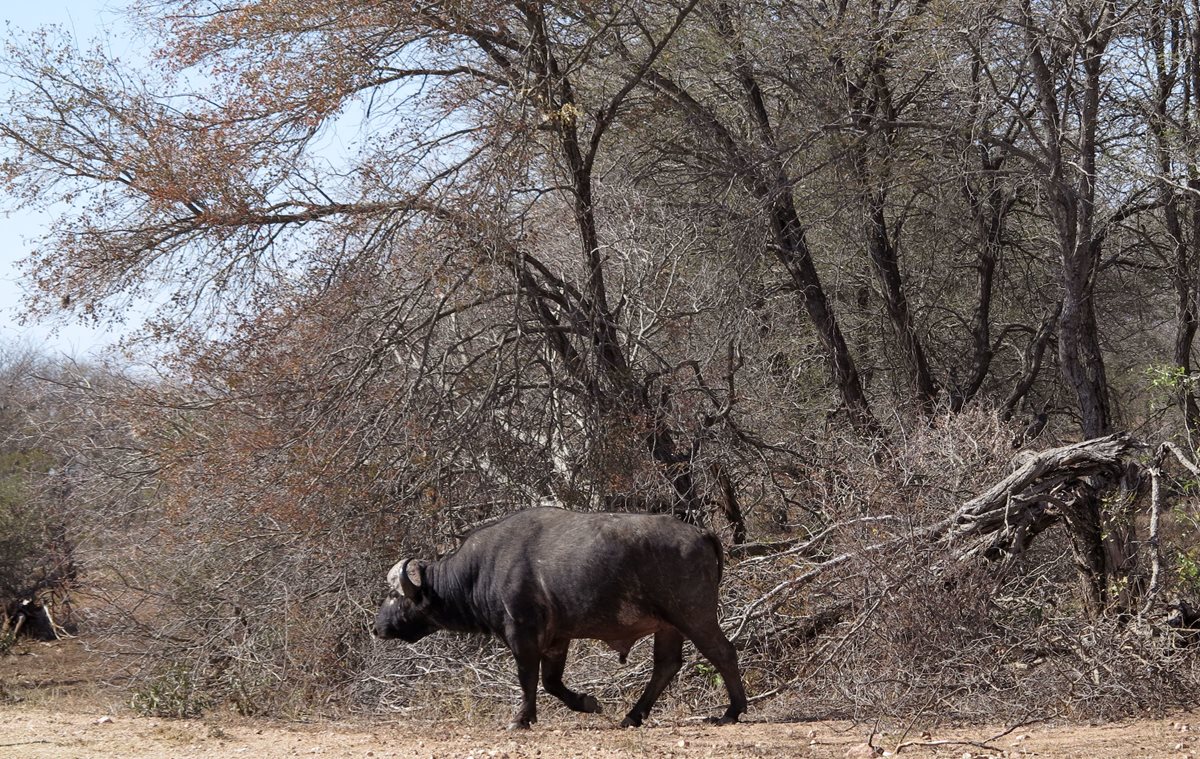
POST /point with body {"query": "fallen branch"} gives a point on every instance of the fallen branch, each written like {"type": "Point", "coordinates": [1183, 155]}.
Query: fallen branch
{"type": "Point", "coordinates": [1181, 457]}
{"type": "Point", "coordinates": [1002, 519]}
{"type": "Point", "coordinates": [985, 744]}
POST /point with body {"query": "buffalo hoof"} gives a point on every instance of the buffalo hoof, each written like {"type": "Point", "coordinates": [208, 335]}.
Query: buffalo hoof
{"type": "Point", "coordinates": [725, 719]}
{"type": "Point", "coordinates": [589, 705]}
{"type": "Point", "coordinates": [631, 721]}
{"type": "Point", "coordinates": [518, 725]}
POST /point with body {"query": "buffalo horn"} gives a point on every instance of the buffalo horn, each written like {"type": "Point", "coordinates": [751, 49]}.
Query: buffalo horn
{"type": "Point", "coordinates": [395, 573]}
{"type": "Point", "coordinates": [405, 577]}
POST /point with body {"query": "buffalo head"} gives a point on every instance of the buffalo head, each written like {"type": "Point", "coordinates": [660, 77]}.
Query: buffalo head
{"type": "Point", "coordinates": [404, 613]}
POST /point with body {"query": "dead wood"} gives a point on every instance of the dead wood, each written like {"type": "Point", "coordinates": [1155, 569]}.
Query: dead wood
{"type": "Point", "coordinates": [1043, 488]}
{"type": "Point", "coordinates": [1005, 517]}
{"type": "Point", "coordinates": [999, 523]}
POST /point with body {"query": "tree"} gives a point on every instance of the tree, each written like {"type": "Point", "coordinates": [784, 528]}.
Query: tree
{"type": "Point", "coordinates": [804, 265]}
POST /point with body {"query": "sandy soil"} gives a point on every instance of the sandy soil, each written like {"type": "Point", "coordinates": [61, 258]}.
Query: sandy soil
{"type": "Point", "coordinates": [63, 714]}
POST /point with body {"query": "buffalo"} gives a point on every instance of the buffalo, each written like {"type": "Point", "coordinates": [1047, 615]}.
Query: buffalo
{"type": "Point", "coordinates": [539, 579]}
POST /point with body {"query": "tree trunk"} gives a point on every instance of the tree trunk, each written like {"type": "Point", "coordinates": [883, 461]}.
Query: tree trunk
{"type": "Point", "coordinates": [1080, 356]}
{"type": "Point", "coordinates": [886, 260]}
{"type": "Point", "coordinates": [776, 190]}
{"type": "Point", "coordinates": [1070, 176]}
{"type": "Point", "coordinates": [793, 252]}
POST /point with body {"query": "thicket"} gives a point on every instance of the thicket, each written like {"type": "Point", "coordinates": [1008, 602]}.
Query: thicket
{"type": "Point", "coordinates": [847, 283]}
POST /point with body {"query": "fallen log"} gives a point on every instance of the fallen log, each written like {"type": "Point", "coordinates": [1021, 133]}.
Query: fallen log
{"type": "Point", "coordinates": [998, 523]}
{"type": "Point", "coordinates": [1035, 494]}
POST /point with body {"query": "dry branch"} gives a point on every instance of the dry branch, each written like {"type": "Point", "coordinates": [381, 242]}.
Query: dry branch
{"type": "Point", "coordinates": [1008, 514]}
{"type": "Point", "coordinates": [999, 522]}
{"type": "Point", "coordinates": [1006, 511]}
{"type": "Point", "coordinates": [1153, 538]}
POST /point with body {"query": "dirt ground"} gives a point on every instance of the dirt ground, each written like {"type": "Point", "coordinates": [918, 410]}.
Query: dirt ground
{"type": "Point", "coordinates": [50, 707]}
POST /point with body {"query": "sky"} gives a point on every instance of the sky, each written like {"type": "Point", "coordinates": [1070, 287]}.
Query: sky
{"type": "Point", "coordinates": [85, 19]}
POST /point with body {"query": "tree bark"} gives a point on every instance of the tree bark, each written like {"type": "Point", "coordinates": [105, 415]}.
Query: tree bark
{"type": "Point", "coordinates": [776, 189]}
{"type": "Point", "coordinates": [1070, 182]}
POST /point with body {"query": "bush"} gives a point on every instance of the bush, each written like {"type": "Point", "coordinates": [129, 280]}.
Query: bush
{"type": "Point", "coordinates": [171, 693]}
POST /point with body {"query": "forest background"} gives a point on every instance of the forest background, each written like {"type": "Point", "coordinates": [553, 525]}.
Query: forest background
{"type": "Point", "coordinates": [847, 282]}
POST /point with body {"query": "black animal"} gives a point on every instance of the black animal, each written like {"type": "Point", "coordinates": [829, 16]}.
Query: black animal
{"type": "Point", "coordinates": [1185, 622]}
{"type": "Point", "coordinates": [541, 578]}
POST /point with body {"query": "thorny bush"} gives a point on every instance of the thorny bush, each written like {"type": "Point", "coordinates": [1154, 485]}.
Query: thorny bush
{"type": "Point", "coordinates": [845, 611]}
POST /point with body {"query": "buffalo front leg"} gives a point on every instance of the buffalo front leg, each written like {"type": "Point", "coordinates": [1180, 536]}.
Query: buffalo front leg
{"type": "Point", "coordinates": [668, 658]}
{"type": "Point", "coordinates": [554, 661]}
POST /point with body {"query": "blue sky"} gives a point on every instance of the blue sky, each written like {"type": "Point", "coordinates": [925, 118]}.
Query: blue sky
{"type": "Point", "coordinates": [85, 20]}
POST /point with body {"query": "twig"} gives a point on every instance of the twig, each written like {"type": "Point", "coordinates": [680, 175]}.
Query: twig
{"type": "Point", "coordinates": [911, 722]}
{"type": "Point", "coordinates": [871, 737]}
{"type": "Point", "coordinates": [986, 744]}
{"type": "Point", "coordinates": [976, 744]}
{"type": "Point", "coordinates": [795, 547]}
{"type": "Point", "coordinates": [1152, 539]}
{"type": "Point", "coordinates": [55, 627]}
{"type": "Point", "coordinates": [1181, 457]}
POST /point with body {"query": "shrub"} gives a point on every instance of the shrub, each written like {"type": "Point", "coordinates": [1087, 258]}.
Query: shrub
{"type": "Point", "coordinates": [172, 693]}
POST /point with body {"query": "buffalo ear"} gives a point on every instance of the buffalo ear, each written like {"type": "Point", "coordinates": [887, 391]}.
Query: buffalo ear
{"type": "Point", "coordinates": [407, 577]}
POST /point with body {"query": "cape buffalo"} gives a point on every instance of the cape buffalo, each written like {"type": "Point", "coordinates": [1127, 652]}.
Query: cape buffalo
{"type": "Point", "coordinates": [541, 578]}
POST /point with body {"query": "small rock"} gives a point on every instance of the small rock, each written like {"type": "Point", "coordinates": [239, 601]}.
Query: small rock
{"type": "Point", "coordinates": [682, 744]}
{"type": "Point", "coordinates": [968, 755]}
{"type": "Point", "coordinates": [104, 720]}
{"type": "Point", "coordinates": [812, 733]}
{"type": "Point", "coordinates": [926, 735]}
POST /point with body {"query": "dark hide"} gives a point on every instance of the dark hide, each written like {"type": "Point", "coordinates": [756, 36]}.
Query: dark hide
{"type": "Point", "coordinates": [1185, 622]}
{"type": "Point", "coordinates": [541, 578]}
{"type": "Point", "coordinates": [30, 618]}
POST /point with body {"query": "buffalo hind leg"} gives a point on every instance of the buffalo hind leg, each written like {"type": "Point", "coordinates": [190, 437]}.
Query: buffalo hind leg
{"type": "Point", "coordinates": [711, 642]}
{"type": "Point", "coordinates": [528, 660]}
{"type": "Point", "coordinates": [668, 658]}
{"type": "Point", "coordinates": [554, 661]}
